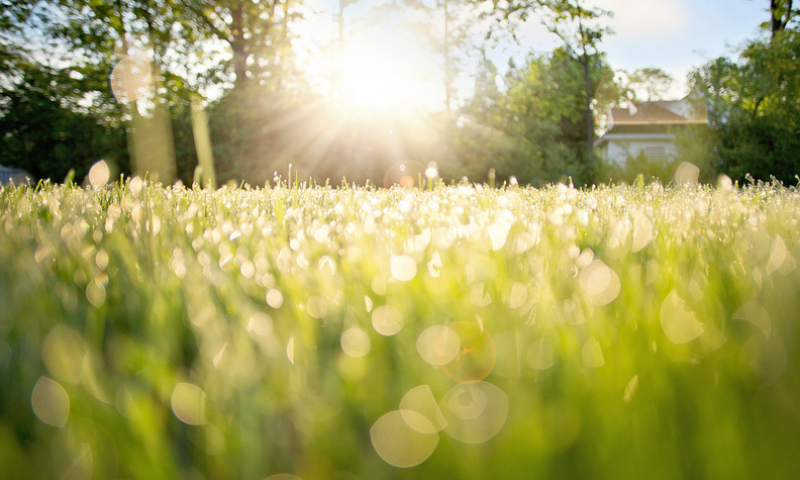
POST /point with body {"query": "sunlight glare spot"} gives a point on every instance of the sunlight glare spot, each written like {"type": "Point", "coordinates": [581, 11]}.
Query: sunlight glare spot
{"type": "Point", "coordinates": [475, 412]}
{"type": "Point", "coordinates": [724, 182]}
{"type": "Point", "coordinates": [355, 342]}
{"type": "Point", "coordinates": [592, 354]}
{"type": "Point", "coordinates": [777, 256]}
{"type": "Point", "coordinates": [679, 325]}
{"type": "Point", "coordinates": [99, 174]}
{"type": "Point", "coordinates": [403, 268]}
{"type": "Point", "coordinates": [752, 312]}
{"type": "Point", "coordinates": [541, 354]}
{"type": "Point", "coordinates": [431, 172]}
{"type": "Point", "coordinates": [518, 296]}
{"type": "Point", "coordinates": [62, 352]}
{"type": "Point", "coordinates": [274, 298]}
{"type": "Point", "coordinates": [50, 402]}
{"type": "Point", "coordinates": [687, 174]}
{"type": "Point", "coordinates": [260, 325]}
{"type": "Point", "coordinates": [420, 400]}
{"type": "Point", "coordinates": [479, 296]}
{"type": "Point", "coordinates": [387, 320]}
{"type": "Point", "coordinates": [368, 304]}
{"type": "Point", "coordinates": [631, 388]}
{"type": "Point", "coordinates": [218, 357]}
{"type": "Point", "coordinates": [188, 403]}
{"type": "Point", "coordinates": [290, 350]}
{"type": "Point", "coordinates": [435, 265]}
{"type": "Point", "coordinates": [91, 377]}
{"type": "Point", "coordinates": [600, 283]}
{"type": "Point", "coordinates": [131, 78]}
{"type": "Point", "coordinates": [438, 345]}
{"type": "Point", "coordinates": [642, 232]}
{"type": "Point", "coordinates": [398, 444]}
{"type": "Point", "coordinates": [317, 307]}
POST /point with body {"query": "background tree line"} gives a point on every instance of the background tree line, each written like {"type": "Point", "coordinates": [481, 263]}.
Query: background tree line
{"type": "Point", "coordinates": [235, 59]}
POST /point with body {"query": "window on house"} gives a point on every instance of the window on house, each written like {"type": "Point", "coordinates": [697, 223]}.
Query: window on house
{"type": "Point", "coordinates": [655, 151]}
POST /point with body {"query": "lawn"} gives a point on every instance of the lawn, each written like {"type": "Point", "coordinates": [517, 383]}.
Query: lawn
{"type": "Point", "coordinates": [464, 332]}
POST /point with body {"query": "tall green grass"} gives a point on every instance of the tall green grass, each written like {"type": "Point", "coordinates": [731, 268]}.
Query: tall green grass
{"type": "Point", "coordinates": [456, 332]}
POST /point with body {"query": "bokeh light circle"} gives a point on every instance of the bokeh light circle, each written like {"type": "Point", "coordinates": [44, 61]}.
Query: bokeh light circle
{"type": "Point", "coordinates": [400, 445]}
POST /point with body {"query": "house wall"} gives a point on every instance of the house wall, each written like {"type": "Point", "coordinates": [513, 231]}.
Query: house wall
{"type": "Point", "coordinates": [619, 148]}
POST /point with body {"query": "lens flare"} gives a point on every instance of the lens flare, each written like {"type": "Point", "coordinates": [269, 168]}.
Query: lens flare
{"type": "Point", "coordinates": [188, 404]}
{"type": "Point", "coordinates": [419, 400]}
{"type": "Point", "coordinates": [475, 412]}
{"type": "Point", "coordinates": [400, 445]}
{"type": "Point", "coordinates": [50, 402]}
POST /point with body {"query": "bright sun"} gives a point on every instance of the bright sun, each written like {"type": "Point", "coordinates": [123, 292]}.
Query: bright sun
{"type": "Point", "coordinates": [382, 73]}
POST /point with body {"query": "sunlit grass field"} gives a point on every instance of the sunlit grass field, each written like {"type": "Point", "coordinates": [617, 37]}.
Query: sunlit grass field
{"type": "Point", "coordinates": [451, 332]}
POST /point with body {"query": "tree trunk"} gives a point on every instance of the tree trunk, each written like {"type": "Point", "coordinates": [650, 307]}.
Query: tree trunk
{"type": "Point", "coordinates": [447, 74]}
{"type": "Point", "coordinates": [781, 11]}
{"type": "Point", "coordinates": [239, 47]}
{"type": "Point", "coordinates": [587, 85]}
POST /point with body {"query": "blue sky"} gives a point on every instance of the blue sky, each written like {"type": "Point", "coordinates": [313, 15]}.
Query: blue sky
{"type": "Point", "coordinates": [674, 35]}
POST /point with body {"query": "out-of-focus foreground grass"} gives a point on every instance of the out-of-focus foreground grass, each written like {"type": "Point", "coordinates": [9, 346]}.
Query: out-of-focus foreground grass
{"type": "Point", "coordinates": [456, 332]}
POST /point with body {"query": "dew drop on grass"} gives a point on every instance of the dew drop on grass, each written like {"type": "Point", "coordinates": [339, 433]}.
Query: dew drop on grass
{"type": "Point", "coordinates": [62, 352]}
{"type": "Point", "coordinates": [378, 285]}
{"type": "Point", "coordinates": [438, 345]}
{"type": "Point", "coordinates": [420, 400]}
{"type": "Point", "coordinates": [475, 412]}
{"type": "Point", "coordinates": [642, 232]}
{"type": "Point", "coordinates": [518, 296]}
{"type": "Point", "coordinates": [592, 354]}
{"type": "Point", "coordinates": [317, 307]}
{"type": "Point", "coordinates": [777, 255]}
{"type": "Point", "coordinates": [752, 312]}
{"type": "Point", "coordinates": [400, 445]}
{"type": "Point", "coordinates": [274, 298]}
{"type": "Point", "coordinates": [435, 265]}
{"type": "Point", "coordinates": [403, 268]}
{"type": "Point", "coordinates": [687, 174]}
{"type": "Point", "coordinates": [541, 354]}
{"type": "Point", "coordinates": [99, 174]}
{"type": "Point", "coordinates": [355, 342]}
{"type": "Point", "coordinates": [600, 283]}
{"type": "Point", "coordinates": [188, 404]}
{"type": "Point", "coordinates": [498, 234]}
{"type": "Point", "coordinates": [679, 324]}
{"type": "Point", "coordinates": [387, 320]}
{"type": "Point", "coordinates": [631, 388]}
{"type": "Point", "coordinates": [260, 325]}
{"type": "Point", "coordinates": [290, 350]}
{"type": "Point", "coordinates": [50, 402]}
{"type": "Point", "coordinates": [479, 296]}
{"type": "Point", "coordinates": [96, 294]}
{"type": "Point", "coordinates": [368, 303]}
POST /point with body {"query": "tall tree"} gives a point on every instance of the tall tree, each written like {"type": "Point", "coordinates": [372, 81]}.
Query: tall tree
{"type": "Point", "coordinates": [581, 31]}
{"type": "Point", "coordinates": [781, 13]}
{"type": "Point", "coordinates": [653, 82]}
{"type": "Point", "coordinates": [257, 33]}
{"type": "Point", "coordinates": [754, 107]}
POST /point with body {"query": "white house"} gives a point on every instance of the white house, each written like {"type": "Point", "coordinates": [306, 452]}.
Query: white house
{"type": "Point", "coordinates": [7, 174]}
{"type": "Point", "coordinates": [648, 128]}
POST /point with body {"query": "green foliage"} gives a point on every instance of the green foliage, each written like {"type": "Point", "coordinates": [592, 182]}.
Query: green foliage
{"type": "Point", "coordinates": [614, 332]}
{"type": "Point", "coordinates": [535, 129]}
{"type": "Point", "coordinates": [754, 106]}
{"type": "Point", "coordinates": [42, 133]}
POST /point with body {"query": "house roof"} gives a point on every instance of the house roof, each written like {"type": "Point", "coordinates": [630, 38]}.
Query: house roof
{"type": "Point", "coordinates": [650, 117]}
{"type": "Point", "coordinates": [647, 113]}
